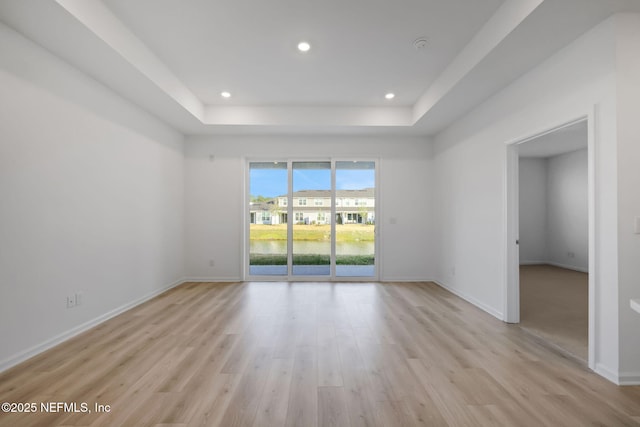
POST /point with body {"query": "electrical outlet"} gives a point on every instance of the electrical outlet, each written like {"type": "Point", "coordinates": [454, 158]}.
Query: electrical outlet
{"type": "Point", "coordinates": [71, 301]}
{"type": "Point", "coordinates": [79, 296]}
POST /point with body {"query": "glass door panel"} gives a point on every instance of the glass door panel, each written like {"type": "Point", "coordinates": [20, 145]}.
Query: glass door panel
{"type": "Point", "coordinates": [355, 218]}
{"type": "Point", "coordinates": [268, 190]}
{"type": "Point", "coordinates": [311, 221]}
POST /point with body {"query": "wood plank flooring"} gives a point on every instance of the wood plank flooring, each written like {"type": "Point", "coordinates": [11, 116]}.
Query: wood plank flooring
{"type": "Point", "coordinates": [554, 305]}
{"type": "Point", "coordinates": [312, 354]}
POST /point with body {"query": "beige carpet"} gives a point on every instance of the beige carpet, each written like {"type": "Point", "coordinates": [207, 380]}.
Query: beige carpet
{"type": "Point", "coordinates": [554, 305]}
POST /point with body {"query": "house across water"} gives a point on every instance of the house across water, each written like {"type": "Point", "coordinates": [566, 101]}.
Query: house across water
{"type": "Point", "coordinates": [314, 207]}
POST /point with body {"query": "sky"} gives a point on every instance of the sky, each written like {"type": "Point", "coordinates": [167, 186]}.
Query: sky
{"type": "Point", "coordinates": [273, 182]}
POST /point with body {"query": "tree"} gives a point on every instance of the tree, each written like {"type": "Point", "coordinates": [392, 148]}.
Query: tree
{"type": "Point", "coordinates": [274, 210]}
{"type": "Point", "coordinates": [364, 213]}
{"type": "Point", "coordinates": [258, 199]}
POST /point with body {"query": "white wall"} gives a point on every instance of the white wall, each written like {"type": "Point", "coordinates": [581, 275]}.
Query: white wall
{"type": "Point", "coordinates": [533, 210]}
{"type": "Point", "coordinates": [567, 211]}
{"type": "Point", "coordinates": [470, 163]}
{"type": "Point", "coordinates": [628, 96]}
{"type": "Point", "coordinates": [91, 201]}
{"type": "Point", "coordinates": [214, 198]}
{"type": "Point", "coordinates": [554, 220]}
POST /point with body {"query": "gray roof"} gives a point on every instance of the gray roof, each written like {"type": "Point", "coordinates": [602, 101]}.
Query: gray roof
{"type": "Point", "coordinates": [261, 206]}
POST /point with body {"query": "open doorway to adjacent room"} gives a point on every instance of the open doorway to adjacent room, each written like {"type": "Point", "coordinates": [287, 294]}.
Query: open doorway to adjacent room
{"type": "Point", "coordinates": [551, 223]}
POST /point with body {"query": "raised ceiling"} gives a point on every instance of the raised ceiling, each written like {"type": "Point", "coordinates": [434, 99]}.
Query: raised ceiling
{"type": "Point", "coordinates": [174, 58]}
{"type": "Point", "coordinates": [361, 49]}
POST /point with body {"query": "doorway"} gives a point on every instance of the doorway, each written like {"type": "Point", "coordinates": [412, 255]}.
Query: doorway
{"type": "Point", "coordinates": [550, 237]}
{"type": "Point", "coordinates": [311, 220]}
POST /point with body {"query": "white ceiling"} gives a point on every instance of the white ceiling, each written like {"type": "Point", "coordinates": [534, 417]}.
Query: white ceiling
{"type": "Point", "coordinates": [361, 49]}
{"type": "Point", "coordinates": [564, 140]}
{"type": "Point", "coordinates": [173, 58]}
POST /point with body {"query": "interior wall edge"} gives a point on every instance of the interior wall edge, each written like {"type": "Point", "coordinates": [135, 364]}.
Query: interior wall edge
{"type": "Point", "coordinates": [471, 300]}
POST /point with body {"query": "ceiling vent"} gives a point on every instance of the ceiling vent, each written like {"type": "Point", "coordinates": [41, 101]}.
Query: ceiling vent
{"type": "Point", "coordinates": [420, 43]}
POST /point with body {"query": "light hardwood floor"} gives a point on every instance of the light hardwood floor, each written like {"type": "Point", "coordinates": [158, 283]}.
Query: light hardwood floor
{"type": "Point", "coordinates": [308, 354]}
{"type": "Point", "coordinates": [554, 305]}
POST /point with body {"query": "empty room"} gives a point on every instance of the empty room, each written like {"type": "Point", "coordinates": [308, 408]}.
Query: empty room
{"type": "Point", "coordinates": [554, 238]}
{"type": "Point", "coordinates": [225, 213]}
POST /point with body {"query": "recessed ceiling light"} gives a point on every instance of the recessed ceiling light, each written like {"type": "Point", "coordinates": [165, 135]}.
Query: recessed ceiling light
{"type": "Point", "coordinates": [225, 94]}
{"type": "Point", "coordinates": [304, 46]}
{"type": "Point", "coordinates": [390, 95]}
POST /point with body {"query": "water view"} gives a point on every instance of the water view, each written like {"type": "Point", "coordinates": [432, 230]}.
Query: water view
{"type": "Point", "coordinates": [305, 207]}
{"type": "Point", "coordinates": [305, 247]}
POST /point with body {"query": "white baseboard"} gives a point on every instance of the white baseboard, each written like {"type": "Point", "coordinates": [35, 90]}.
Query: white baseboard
{"type": "Point", "coordinates": [568, 267]}
{"type": "Point", "coordinates": [555, 264]}
{"type": "Point", "coordinates": [212, 279]}
{"type": "Point", "coordinates": [238, 279]}
{"type": "Point", "coordinates": [492, 311]}
{"type": "Point", "coordinates": [405, 279]}
{"type": "Point", "coordinates": [533, 262]}
{"type": "Point", "coordinates": [607, 373]}
{"type": "Point", "coordinates": [58, 339]}
{"type": "Point", "coordinates": [629, 378]}
{"type": "Point", "coordinates": [623, 378]}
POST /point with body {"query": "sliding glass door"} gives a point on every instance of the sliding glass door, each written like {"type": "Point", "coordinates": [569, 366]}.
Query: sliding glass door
{"type": "Point", "coordinates": [355, 218]}
{"type": "Point", "coordinates": [311, 219]}
{"type": "Point", "coordinates": [268, 225]}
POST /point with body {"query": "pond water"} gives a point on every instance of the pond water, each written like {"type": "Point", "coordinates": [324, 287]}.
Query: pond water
{"type": "Point", "coordinates": [311, 247]}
